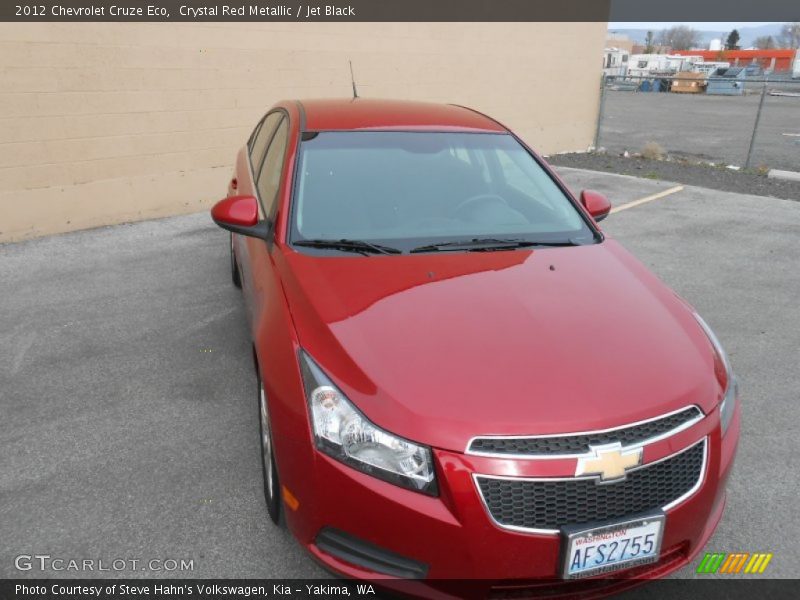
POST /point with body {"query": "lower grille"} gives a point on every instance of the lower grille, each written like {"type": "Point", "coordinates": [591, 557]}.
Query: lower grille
{"type": "Point", "coordinates": [365, 554]}
{"type": "Point", "coordinates": [548, 504]}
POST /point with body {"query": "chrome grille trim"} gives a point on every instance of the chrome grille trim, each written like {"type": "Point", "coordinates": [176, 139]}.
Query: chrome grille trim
{"type": "Point", "coordinates": [698, 416]}
{"type": "Point", "coordinates": [670, 505]}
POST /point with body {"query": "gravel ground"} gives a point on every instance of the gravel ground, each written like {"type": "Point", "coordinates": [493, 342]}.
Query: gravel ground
{"type": "Point", "coordinates": [706, 128]}
{"type": "Point", "coordinates": [717, 178]}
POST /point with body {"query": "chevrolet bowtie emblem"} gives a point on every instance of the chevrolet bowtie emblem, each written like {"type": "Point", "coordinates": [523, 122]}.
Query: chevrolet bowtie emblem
{"type": "Point", "coordinates": [609, 461]}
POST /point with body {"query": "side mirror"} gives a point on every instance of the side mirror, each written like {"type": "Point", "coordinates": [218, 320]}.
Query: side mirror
{"type": "Point", "coordinates": [598, 205]}
{"type": "Point", "coordinates": [239, 214]}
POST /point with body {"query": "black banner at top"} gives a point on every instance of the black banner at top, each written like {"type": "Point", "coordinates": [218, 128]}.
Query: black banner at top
{"type": "Point", "coordinates": [399, 10]}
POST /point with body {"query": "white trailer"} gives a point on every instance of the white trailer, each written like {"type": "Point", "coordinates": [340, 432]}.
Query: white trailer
{"type": "Point", "coordinates": [680, 62]}
{"type": "Point", "coordinates": [642, 65]}
{"type": "Point", "coordinates": [615, 62]}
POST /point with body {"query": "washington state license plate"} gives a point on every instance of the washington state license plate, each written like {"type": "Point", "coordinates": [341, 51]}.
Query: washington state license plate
{"type": "Point", "coordinates": [607, 548]}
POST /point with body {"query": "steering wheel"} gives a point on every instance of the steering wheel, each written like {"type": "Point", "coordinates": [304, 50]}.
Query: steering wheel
{"type": "Point", "coordinates": [480, 198]}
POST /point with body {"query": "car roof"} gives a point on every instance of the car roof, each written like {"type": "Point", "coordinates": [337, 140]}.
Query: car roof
{"type": "Point", "coordinates": [403, 115]}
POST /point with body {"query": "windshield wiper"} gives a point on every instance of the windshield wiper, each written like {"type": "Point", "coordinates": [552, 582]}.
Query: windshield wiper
{"type": "Point", "coordinates": [346, 245]}
{"type": "Point", "coordinates": [484, 244]}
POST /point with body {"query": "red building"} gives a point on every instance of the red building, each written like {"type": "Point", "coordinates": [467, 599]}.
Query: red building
{"type": "Point", "coordinates": [769, 60]}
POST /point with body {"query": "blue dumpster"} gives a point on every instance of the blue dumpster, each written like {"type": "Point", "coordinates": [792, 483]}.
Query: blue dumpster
{"type": "Point", "coordinates": [727, 81]}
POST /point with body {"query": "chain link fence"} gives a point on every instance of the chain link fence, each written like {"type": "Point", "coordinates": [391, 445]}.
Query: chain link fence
{"type": "Point", "coordinates": [738, 121]}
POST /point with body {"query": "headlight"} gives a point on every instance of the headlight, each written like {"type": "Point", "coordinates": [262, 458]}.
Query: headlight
{"type": "Point", "coordinates": [341, 431]}
{"type": "Point", "coordinates": [725, 374]}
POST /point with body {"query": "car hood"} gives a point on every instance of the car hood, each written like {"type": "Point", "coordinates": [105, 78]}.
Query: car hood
{"type": "Point", "coordinates": [441, 347]}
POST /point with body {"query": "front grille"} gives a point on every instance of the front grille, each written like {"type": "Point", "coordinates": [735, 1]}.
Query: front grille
{"type": "Point", "coordinates": [580, 443]}
{"type": "Point", "coordinates": [550, 504]}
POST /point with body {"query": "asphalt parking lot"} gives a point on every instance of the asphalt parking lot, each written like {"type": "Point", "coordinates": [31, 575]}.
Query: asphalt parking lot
{"type": "Point", "coordinates": [129, 424]}
{"type": "Point", "coordinates": [708, 128]}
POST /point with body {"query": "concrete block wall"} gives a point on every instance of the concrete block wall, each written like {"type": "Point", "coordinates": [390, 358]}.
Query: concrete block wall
{"type": "Point", "coordinates": [105, 123]}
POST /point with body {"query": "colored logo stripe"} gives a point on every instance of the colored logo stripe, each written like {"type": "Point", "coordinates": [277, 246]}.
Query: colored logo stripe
{"type": "Point", "coordinates": [741, 562]}
{"type": "Point", "coordinates": [711, 562]}
{"type": "Point", "coordinates": [758, 563]}
{"type": "Point", "coordinates": [721, 562]}
{"type": "Point", "coordinates": [733, 563]}
{"type": "Point", "coordinates": [704, 563]}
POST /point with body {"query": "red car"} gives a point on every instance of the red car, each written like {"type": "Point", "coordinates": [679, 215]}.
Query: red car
{"type": "Point", "coordinates": [460, 375]}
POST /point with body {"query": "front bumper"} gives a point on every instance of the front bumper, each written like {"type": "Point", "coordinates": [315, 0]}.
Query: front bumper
{"type": "Point", "coordinates": [453, 536]}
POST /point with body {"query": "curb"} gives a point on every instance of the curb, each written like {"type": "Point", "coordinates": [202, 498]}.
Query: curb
{"type": "Point", "coordinates": [785, 175]}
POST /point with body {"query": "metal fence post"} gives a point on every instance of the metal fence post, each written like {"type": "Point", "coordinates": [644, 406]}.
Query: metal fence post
{"type": "Point", "coordinates": [755, 127]}
{"type": "Point", "coordinates": [600, 111]}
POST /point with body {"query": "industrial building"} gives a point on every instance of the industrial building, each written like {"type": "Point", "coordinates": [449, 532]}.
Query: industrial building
{"type": "Point", "coordinates": [773, 61]}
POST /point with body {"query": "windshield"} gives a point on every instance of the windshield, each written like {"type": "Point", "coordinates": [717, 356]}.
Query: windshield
{"type": "Point", "coordinates": [410, 190]}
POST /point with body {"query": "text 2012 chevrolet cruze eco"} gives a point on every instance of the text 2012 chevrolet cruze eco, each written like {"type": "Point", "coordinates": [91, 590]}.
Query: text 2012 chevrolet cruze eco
{"type": "Point", "coordinates": [459, 374]}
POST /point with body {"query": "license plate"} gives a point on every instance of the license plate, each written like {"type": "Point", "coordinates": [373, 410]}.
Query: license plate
{"type": "Point", "coordinates": [606, 548]}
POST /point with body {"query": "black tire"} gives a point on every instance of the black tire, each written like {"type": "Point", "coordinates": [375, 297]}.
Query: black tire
{"type": "Point", "coordinates": [237, 280]}
{"type": "Point", "coordinates": [268, 470]}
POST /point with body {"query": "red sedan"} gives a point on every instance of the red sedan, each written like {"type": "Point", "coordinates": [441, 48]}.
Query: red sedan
{"type": "Point", "coordinates": [460, 375]}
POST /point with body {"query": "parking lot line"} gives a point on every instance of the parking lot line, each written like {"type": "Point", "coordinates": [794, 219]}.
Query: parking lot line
{"type": "Point", "coordinates": [650, 198]}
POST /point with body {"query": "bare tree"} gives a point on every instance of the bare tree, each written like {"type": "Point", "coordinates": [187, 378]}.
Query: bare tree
{"type": "Point", "coordinates": [680, 37]}
{"type": "Point", "coordinates": [790, 35]}
{"type": "Point", "coordinates": [764, 42]}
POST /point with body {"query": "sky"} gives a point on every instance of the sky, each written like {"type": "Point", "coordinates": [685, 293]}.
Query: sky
{"type": "Point", "coordinates": [706, 26]}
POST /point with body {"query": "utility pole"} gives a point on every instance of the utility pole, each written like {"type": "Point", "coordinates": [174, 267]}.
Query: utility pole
{"type": "Point", "coordinates": [755, 127]}
{"type": "Point", "coordinates": [600, 111]}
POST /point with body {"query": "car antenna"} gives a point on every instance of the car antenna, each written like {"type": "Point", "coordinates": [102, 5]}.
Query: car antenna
{"type": "Point", "coordinates": [353, 80]}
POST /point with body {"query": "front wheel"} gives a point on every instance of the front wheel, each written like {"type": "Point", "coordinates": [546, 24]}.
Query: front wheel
{"type": "Point", "coordinates": [270, 473]}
